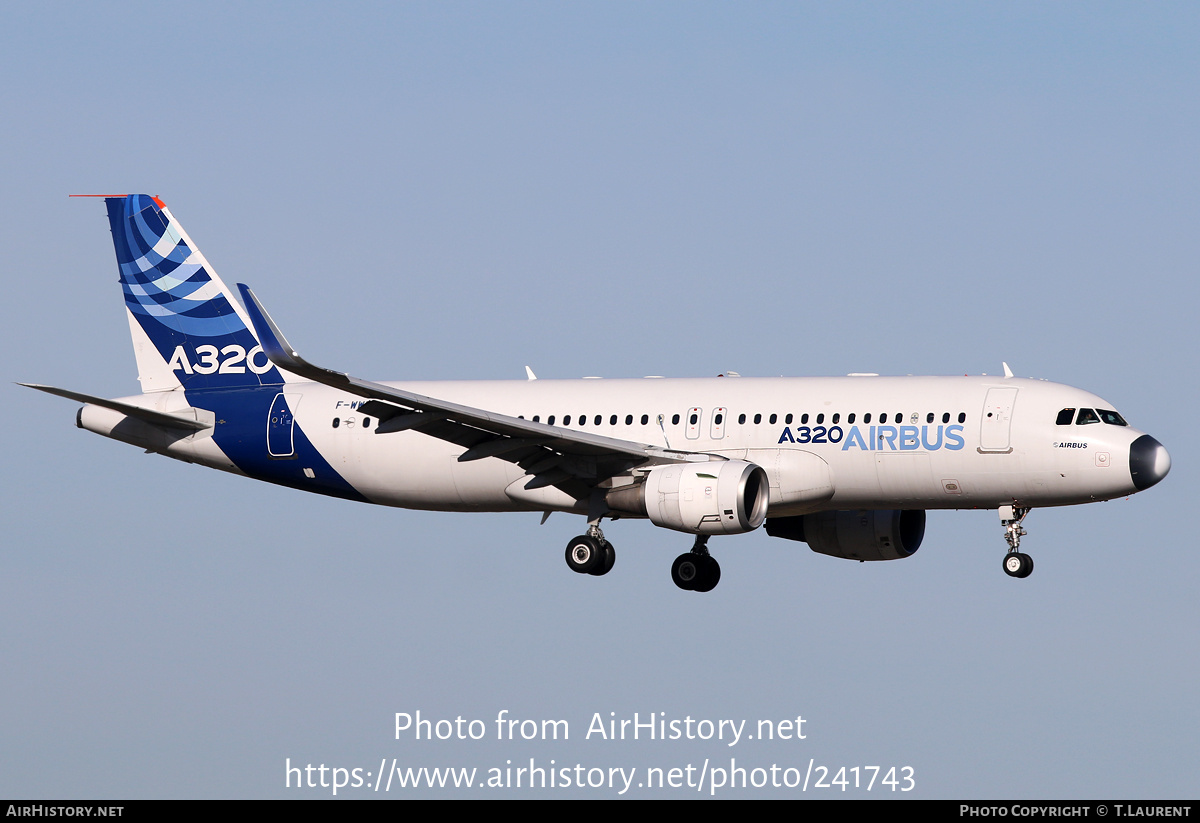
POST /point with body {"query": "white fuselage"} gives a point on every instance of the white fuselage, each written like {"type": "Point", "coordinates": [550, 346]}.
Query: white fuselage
{"type": "Point", "coordinates": [887, 442]}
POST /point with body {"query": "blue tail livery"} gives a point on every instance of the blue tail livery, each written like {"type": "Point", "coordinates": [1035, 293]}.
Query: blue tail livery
{"type": "Point", "coordinates": [188, 330]}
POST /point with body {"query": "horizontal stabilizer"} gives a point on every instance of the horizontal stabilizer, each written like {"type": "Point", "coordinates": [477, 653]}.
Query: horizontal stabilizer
{"type": "Point", "coordinates": [157, 418]}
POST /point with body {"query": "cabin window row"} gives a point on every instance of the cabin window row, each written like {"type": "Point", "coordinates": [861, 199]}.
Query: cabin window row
{"type": "Point", "coordinates": [852, 418]}
{"type": "Point", "coordinates": [693, 418]}
{"type": "Point", "coordinates": [788, 419]}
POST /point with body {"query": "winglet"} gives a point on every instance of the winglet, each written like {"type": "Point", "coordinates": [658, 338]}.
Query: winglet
{"type": "Point", "coordinates": [1007, 370]}
{"type": "Point", "coordinates": [278, 350]}
{"type": "Point", "coordinates": [273, 342]}
{"type": "Point", "coordinates": [529, 373]}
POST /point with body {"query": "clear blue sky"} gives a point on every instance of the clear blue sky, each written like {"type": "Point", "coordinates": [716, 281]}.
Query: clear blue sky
{"type": "Point", "coordinates": [458, 190]}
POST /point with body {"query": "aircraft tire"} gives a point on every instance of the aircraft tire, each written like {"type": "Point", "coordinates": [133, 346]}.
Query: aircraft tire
{"type": "Point", "coordinates": [605, 566]}
{"type": "Point", "coordinates": [685, 571]}
{"type": "Point", "coordinates": [1028, 570]}
{"type": "Point", "coordinates": [710, 574]}
{"type": "Point", "coordinates": [585, 554]}
{"type": "Point", "coordinates": [1018, 564]}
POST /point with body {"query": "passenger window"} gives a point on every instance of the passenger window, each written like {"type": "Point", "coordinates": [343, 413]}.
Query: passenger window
{"type": "Point", "coordinates": [850, 419]}
{"type": "Point", "coordinates": [772, 419]}
{"type": "Point", "coordinates": [629, 420]}
{"type": "Point", "coordinates": [550, 420]}
{"type": "Point", "coordinates": [567, 420]}
{"type": "Point", "coordinates": [867, 417]}
{"type": "Point", "coordinates": [836, 418]}
{"type": "Point", "coordinates": [720, 418]}
{"type": "Point", "coordinates": [537, 418]}
{"type": "Point", "coordinates": [1065, 417]}
{"type": "Point", "coordinates": [804, 419]}
{"type": "Point", "coordinates": [693, 419]}
{"type": "Point", "coordinates": [612, 421]}
{"type": "Point", "coordinates": [929, 417]}
{"type": "Point", "coordinates": [597, 420]}
{"type": "Point", "coordinates": [1086, 416]}
{"type": "Point", "coordinates": [945, 417]}
{"type": "Point", "coordinates": [757, 419]}
{"type": "Point", "coordinates": [741, 419]}
{"type": "Point", "coordinates": [962, 417]}
{"type": "Point", "coordinates": [645, 419]}
{"type": "Point", "coordinates": [366, 422]}
{"type": "Point", "coordinates": [820, 419]}
{"type": "Point", "coordinates": [674, 420]}
{"type": "Point", "coordinates": [788, 420]}
{"type": "Point", "coordinates": [337, 421]}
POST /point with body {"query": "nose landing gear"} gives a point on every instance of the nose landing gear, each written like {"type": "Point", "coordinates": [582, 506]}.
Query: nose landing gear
{"type": "Point", "coordinates": [1016, 563]}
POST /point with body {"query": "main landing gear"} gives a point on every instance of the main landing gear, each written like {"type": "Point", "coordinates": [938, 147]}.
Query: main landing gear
{"type": "Point", "coordinates": [1016, 564]}
{"type": "Point", "coordinates": [693, 571]}
{"type": "Point", "coordinates": [697, 570]}
{"type": "Point", "coordinates": [590, 553]}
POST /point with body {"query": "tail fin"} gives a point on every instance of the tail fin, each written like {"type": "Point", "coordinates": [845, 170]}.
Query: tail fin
{"type": "Point", "coordinates": [188, 330]}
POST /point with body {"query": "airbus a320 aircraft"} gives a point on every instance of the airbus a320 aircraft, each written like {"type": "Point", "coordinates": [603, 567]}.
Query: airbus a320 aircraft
{"type": "Point", "coordinates": [848, 465]}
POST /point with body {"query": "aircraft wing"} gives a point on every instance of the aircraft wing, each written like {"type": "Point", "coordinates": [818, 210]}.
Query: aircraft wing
{"type": "Point", "coordinates": [572, 460]}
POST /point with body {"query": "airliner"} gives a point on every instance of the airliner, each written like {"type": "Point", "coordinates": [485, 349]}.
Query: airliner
{"type": "Point", "coordinates": [848, 465]}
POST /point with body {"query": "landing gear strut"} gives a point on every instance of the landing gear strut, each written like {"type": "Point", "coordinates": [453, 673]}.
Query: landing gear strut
{"type": "Point", "coordinates": [590, 553]}
{"type": "Point", "coordinates": [1016, 563]}
{"type": "Point", "coordinates": [696, 571]}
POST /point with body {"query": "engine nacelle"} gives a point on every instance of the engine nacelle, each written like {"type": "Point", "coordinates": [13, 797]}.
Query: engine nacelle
{"type": "Point", "coordinates": [718, 497]}
{"type": "Point", "coordinates": [882, 534]}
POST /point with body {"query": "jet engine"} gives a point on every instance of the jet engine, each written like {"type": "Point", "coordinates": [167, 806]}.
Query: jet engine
{"type": "Point", "coordinates": [718, 497]}
{"type": "Point", "coordinates": [882, 534]}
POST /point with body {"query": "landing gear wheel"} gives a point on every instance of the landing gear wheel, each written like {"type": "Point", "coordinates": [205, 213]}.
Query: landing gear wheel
{"type": "Point", "coordinates": [685, 571]}
{"type": "Point", "coordinates": [605, 565]}
{"type": "Point", "coordinates": [1018, 564]}
{"type": "Point", "coordinates": [585, 554]}
{"type": "Point", "coordinates": [710, 574]}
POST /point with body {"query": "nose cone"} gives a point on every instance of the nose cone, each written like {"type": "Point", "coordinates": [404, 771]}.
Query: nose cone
{"type": "Point", "coordinates": [1148, 462]}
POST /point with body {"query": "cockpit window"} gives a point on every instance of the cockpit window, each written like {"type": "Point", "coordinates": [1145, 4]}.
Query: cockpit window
{"type": "Point", "coordinates": [1086, 416]}
{"type": "Point", "coordinates": [1065, 417]}
{"type": "Point", "coordinates": [1111, 417]}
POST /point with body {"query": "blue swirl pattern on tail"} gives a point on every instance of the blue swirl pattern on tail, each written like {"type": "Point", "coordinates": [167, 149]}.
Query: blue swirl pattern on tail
{"type": "Point", "coordinates": [180, 303]}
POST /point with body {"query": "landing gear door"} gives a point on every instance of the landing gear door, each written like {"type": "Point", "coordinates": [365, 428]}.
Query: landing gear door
{"type": "Point", "coordinates": [280, 424]}
{"type": "Point", "coordinates": [996, 424]}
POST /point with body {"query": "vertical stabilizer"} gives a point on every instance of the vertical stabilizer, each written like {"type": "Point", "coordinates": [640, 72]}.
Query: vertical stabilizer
{"type": "Point", "coordinates": [188, 330]}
